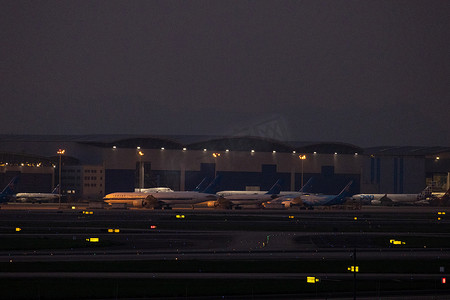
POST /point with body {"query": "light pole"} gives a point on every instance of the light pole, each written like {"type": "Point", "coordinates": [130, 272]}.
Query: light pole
{"type": "Point", "coordinates": [60, 153]}
{"type": "Point", "coordinates": [141, 171]}
{"type": "Point", "coordinates": [302, 158]}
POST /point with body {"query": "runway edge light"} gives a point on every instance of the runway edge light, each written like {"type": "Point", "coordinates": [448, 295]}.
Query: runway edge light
{"type": "Point", "coordinates": [93, 240]}
{"type": "Point", "coordinates": [311, 279]}
{"type": "Point", "coordinates": [354, 269]}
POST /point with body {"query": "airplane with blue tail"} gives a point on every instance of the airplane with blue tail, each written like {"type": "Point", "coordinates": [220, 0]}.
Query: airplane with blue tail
{"type": "Point", "coordinates": [310, 200]}
{"type": "Point", "coordinates": [236, 200]}
{"type": "Point", "coordinates": [8, 191]}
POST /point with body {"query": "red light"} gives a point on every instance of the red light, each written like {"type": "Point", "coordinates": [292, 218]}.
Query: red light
{"type": "Point", "coordinates": [444, 280]}
{"type": "Point", "coordinates": [153, 227]}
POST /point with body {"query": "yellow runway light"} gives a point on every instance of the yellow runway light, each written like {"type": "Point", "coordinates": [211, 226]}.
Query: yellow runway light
{"type": "Point", "coordinates": [93, 240]}
{"type": "Point", "coordinates": [395, 242]}
{"type": "Point", "coordinates": [73, 207]}
{"type": "Point", "coordinates": [312, 279]}
{"type": "Point", "coordinates": [291, 217]}
{"type": "Point", "coordinates": [18, 229]}
{"type": "Point", "coordinates": [180, 216]}
{"type": "Point", "coordinates": [354, 269]}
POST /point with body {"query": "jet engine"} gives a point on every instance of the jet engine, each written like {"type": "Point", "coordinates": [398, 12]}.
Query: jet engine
{"type": "Point", "coordinates": [138, 203]}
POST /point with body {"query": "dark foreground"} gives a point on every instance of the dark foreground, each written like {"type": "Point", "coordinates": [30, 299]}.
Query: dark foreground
{"type": "Point", "coordinates": [217, 254]}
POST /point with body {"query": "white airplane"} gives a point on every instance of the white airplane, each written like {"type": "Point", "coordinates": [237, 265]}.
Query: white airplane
{"type": "Point", "coordinates": [153, 190]}
{"type": "Point", "coordinates": [232, 193]}
{"type": "Point", "coordinates": [164, 199]}
{"type": "Point", "coordinates": [225, 194]}
{"type": "Point", "coordinates": [236, 200]}
{"type": "Point", "coordinates": [38, 197]}
{"type": "Point", "coordinates": [395, 199]}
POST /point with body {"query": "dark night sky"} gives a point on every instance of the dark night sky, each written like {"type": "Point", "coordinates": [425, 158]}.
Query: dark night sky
{"type": "Point", "coordinates": [363, 72]}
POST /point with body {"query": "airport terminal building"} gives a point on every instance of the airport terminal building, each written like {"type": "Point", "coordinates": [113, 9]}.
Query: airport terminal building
{"type": "Point", "coordinates": [95, 165]}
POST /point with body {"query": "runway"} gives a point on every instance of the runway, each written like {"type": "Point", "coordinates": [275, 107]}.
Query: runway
{"type": "Point", "coordinates": [222, 234]}
{"type": "Point", "coordinates": [321, 242]}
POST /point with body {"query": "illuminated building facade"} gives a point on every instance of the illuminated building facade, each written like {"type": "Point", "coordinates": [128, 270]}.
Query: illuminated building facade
{"type": "Point", "coordinates": [126, 162]}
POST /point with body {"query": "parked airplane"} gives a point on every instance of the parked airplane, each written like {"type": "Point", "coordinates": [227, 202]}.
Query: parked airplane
{"type": "Point", "coordinates": [288, 198]}
{"type": "Point", "coordinates": [395, 199]}
{"type": "Point", "coordinates": [441, 200]}
{"type": "Point", "coordinates": [38, 197]}
{"type": "Point", "coordinates": [310, 200]}
{"type": "Point", "coordinates": [439, 195]}
{"type": "Point", "coordinates": [164, 199]}
{"type": "Point", "coordinates": [232, 193]}
{"type": "Point", "coordinates": [200, 186]}
{"type": "Point", "coordinates": [237, 200]}
{"type": "Point", "coordinates": [226, 194]}
{"type": "Point", "coordinates": [8, 191]}
{"type": "Point", "coordinates": [153, 190]}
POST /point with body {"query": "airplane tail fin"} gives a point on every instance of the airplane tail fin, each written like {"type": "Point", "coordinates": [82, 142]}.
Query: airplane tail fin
{"type": "Point", "coordinates": [56, 190]}
{"type": "Point", "coordinates": [426, 193]}
{"type": "Point", "coordinates": [213, 187]}
{"type": "Point", "coordinates": [340, 198]}
{"type": "Point", "coordinates": [201, 186]}
{"type": "Point", "coordinates": [346, 190]}
{"type": "Point", "coordinates": [307, 186]}
{"type": "Point", "coordinates": [9, 189]}
{"type": "Point", "coordinates": [276, 188]}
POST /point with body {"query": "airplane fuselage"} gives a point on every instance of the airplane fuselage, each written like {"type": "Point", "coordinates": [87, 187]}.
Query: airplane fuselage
{"type": "Point", "coordinates": [249, 199]}
{"type": "Point", "coordinates": [182, 197]}
{"type": "Point", "coordinates": [161, 198]}
{"type": "Point", "coordinates": [35, 196]}
{"type": "Point", "coordinates": [377, 199]}
{"type": "Point", "coordinates": [124, 197]}
{"type": "Point", "coordinates": [316, 200]}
